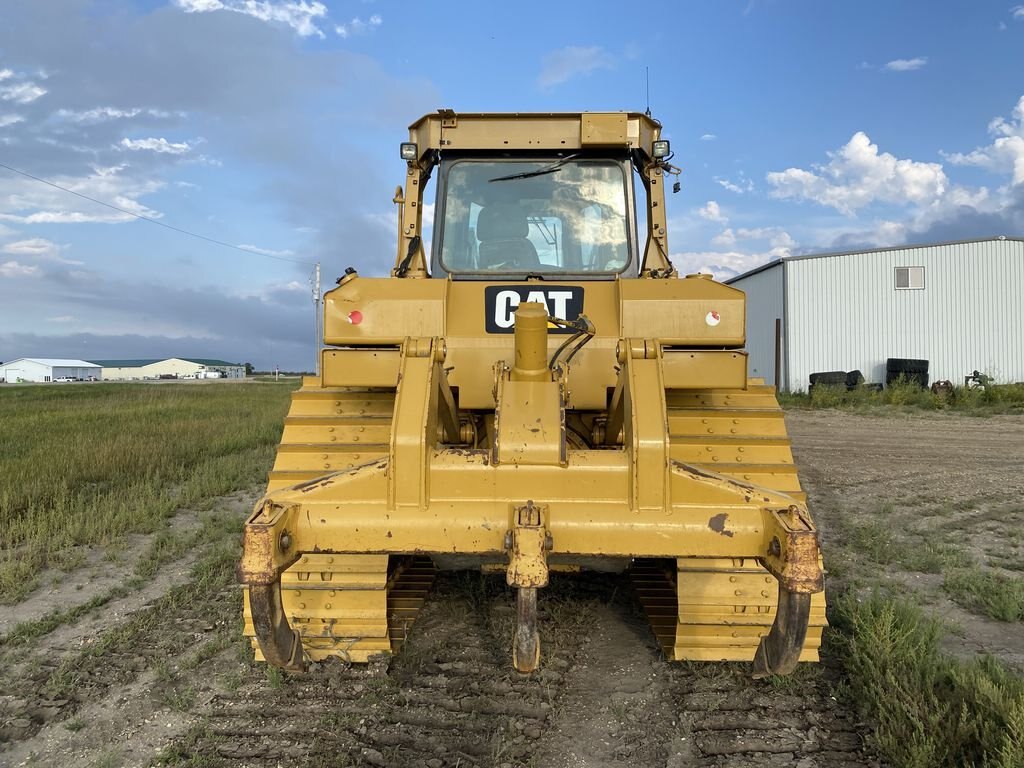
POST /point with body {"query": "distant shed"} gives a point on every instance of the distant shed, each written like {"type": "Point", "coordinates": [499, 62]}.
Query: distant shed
{"type": "Point", "coordinates": [43, 369]}
{"type": "Point", "coordinates": [155, 368]}
{"type": "Point", "coordinates": [959, 305]}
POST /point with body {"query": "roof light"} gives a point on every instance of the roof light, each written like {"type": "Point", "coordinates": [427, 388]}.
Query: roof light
{"type": "Point", "coordinates": [355, 317]}
{"type": "Point", "coordinates": [660, 148]}
{"type": "Point", "coordinates": [409, 150]}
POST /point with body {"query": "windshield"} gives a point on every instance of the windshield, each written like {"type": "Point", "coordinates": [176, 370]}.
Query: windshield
{"type": "Point", "coordinates": [558, 216]}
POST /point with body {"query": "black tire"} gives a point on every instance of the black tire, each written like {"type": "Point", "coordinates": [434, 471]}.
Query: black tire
{"type": "Point", "coordinates": [905, 365]}
{"type": "Point", "coordinates": [854, 379]}
{"type": "Point", "coordinates": [829, 378]}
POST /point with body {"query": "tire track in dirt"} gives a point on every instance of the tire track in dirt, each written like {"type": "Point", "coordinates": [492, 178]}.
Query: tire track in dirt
{"type": "Point", "coordinates": [604, 696]}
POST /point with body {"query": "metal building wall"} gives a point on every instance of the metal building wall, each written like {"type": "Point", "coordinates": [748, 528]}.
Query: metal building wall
{"type": "Point", "coordinates": [844, 312]}
{"type": "Point", "coordinates": [764, 306]}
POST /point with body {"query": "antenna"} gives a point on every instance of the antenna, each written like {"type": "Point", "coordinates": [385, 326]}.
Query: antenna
{"type": "Point", "coordinates": [647, 76]}
{"type": "Point", "coordinates": [314, 281]}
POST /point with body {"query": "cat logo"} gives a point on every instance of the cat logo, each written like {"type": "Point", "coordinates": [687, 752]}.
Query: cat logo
{"type": "Point", "coordinates": [500, 302]}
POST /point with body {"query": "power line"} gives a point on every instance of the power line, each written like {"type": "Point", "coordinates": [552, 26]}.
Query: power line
{"type": "Point", "coordinates": [155, 221]}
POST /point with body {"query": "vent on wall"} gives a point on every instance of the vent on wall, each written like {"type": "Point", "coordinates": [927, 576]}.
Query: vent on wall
{"type": "Point", "coordinates": [909, 278]}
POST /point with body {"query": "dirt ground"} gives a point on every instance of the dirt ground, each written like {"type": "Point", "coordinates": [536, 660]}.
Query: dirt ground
{"type": "Point", "coordinates": [161, 677]}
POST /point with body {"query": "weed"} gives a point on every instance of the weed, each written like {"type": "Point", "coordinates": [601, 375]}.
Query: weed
{"type": "Point", "coordinates": [275, 677]}
{"type": "Point", "coordinates": [992, 594]}
{"type": "Point", "coordinates": [75, 724]}
{"type": "Point", "coordinates": [111, 758]}
{"type": "Point", "coordinates": [935, 557]}
{"type": "Point", "coordinates": [997, 398]}
{"type": "Point", "coordinates": [29, 630]}
{"type": "Point", "coordinates": [931, 710]}
{"type": "Point", "coordinates": [180, 699]}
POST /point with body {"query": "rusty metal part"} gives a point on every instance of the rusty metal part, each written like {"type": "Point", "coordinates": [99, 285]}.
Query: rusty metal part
{"type": "Point", "coordinates": [281, 645]}
{"type": "Point", "coordinates": [779, 651]}
{"type": "Point", "coordinates": [529, 542]}
{"type": "Point", "coordinates": [526, 640]}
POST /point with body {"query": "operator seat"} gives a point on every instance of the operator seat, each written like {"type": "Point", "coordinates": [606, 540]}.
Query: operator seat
{"type": "Point", "coordinates": [502, 230]}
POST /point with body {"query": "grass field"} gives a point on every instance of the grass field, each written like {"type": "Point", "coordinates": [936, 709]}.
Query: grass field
{"type": "Point", "coordinates": [86, 464]}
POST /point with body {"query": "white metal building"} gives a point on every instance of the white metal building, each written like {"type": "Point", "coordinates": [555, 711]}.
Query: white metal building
{"type": "Point", "coordinates": [43, 369]}
{"type": "Point", "coordinates": [175, 367]}
{"type": "Point", "coordinates": [959, 305]}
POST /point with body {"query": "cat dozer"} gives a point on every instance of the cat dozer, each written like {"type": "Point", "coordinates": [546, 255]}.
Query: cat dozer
{"type": "Point", "coordinates": [540, 392]}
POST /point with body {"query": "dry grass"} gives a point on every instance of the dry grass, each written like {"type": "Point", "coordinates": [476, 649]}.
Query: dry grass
{"type": "Point", "coordinates": [85, 465]}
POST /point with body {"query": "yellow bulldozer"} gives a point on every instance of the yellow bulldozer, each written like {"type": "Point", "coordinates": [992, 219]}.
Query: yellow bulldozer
{"type": "Point", "coordinates": [540, 392]}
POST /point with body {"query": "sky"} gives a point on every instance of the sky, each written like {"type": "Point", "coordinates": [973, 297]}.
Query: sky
{"type": "Point", "coordinates": [273, 126]}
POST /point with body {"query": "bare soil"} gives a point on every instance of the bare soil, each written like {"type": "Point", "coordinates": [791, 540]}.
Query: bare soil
{"type": "Point", "coordinates": [166, 679]}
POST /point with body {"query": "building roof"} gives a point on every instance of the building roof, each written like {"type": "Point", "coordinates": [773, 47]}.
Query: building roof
{"type": "Point", "coordinates": [829, 254]}
{"type": "Point", "coordinates": [207, 361]}
{"type": "Point", "coordinates": [139, 363]}
{"type": "Point", "coordinates": [128, 363]}
{"type": "Point", "coordinates": [55, 362]}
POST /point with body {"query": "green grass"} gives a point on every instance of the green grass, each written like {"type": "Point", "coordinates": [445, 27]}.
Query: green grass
{"type": "Point", "coordinates": [992, 594]}
{"type": "Point", "coordinates": [931, 710]}
{"type": "Point", "coordinates": [87, 465]}
{"type": "Point", "coordinates": [998, 398]}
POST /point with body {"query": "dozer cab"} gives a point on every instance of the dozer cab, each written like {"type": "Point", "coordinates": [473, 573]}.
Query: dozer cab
{"type": "Point", "coordinates": [541, 391]}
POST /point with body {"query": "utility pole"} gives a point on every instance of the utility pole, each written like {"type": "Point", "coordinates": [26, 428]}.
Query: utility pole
{"type": "Point", "coordinates": [315, 281]}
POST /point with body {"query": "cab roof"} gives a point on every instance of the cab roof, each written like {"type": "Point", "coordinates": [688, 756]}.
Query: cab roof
{"type": "Point", "coordinates": [447, 130]}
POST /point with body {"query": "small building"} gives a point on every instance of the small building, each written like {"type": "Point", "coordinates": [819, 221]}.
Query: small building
{"type": "Point", "coordinates": [43, 369]}
{"type": "Point", "coordinates": [170, 367]}
{"type": "Point", "coordinates": [958, 305]}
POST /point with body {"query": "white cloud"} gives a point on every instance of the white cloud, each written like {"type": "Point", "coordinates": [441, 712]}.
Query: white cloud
{"type": "Point", "coordinates": [14, 269]}
{"type": "Point", "coordinates": [708, 137]}
{"type": "Point", "coordinates": [777, 237]}
{"type": "Point", "coordinates": [1006, 152]}
{"type": "Point", "coordinates": [6, 120]}
{"type": "Point", "coordinates": [63, 319]}
{"type": "Point", "coordinates": [726, 264]}
{"type": "Point", "coordinates": [712, 212]}
{"type": "Point", "coordinates": [357, 26]}
{"type": "Point", "coordinates": [39, 249]}
{"type": "Point", "coordinates": [906, 65]}
{"type": "Point", "coordinates": [571, 61]}
{"type": "Point", "coordinates": [161, 145]}
{"type": "Point", "coordinates": [21, 93]}
{"type": "Point", "coordinates": [743, 185]}
{"type": "Point", "coordinates": [29, 203]}
{"type": "Point", "coordinates": [267, 251]}
{"type": "Point", "coordinates": [858, 175]}
{"type": "Point", "coordinates": [105, 114]}
{"type": "Point", "coordinates": [6, 74]}
{"type": "Point", "coordinates": [725, 239]}
{"type": "Point", "coordinates": [300, 15]}
{"type": "Point", "coordinates": [1018, 12]}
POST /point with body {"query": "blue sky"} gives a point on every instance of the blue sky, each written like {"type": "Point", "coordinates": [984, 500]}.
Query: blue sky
{"type": "Point", "coordinates": [274, 125]}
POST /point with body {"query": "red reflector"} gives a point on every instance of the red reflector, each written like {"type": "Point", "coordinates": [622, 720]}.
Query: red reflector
{"type": "Point", "coordinates": [355, 317]}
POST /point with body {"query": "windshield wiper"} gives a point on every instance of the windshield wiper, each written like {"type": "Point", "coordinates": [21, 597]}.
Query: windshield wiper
{"type": "Point", "coordinates": [552, 168]}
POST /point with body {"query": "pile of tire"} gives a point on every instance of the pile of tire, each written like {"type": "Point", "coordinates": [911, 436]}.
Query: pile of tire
{"type": "Point", "coordinates": [911, 371]}
{"type": "Point", "coordinates": [848, 379]}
